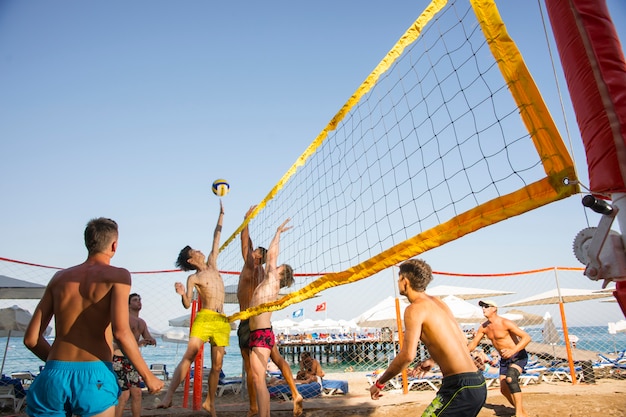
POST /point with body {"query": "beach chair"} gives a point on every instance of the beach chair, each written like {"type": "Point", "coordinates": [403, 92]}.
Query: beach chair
{"type": "Point", "coordinates": [310, 390]}
{"type": "Point", "coordinates": [159, 369]}
{"type": "Point", "coordinates": [7, 392]}
{"type": "Point", "coordinates": [617, 363]}
{"type": "Point", "coordinates": [562, 373]}
{"type": "Point", "coordinates": [232, 383]}
{"type": "Point", "coordinates": [26, 377]}
{"type": "Point", "coordinates": [333, 386]}
{"type": "Point", "coordinates": [492, 379]}
{"type": "Point", "coordinates": [389, 385]}
{"type": "Point", "coordinates": [428, 382]}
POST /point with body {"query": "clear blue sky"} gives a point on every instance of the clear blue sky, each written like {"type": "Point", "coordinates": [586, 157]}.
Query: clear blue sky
{"type": "Point", "coordinates": [131, 109]}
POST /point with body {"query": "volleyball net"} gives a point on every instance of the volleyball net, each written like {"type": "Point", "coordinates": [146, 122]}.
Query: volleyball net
{"type": "Point", "coordinates": [447, 135]}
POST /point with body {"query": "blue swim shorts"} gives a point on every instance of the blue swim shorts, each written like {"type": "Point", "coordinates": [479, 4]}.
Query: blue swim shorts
{"type": "Point", "coordinates": [73, 388]}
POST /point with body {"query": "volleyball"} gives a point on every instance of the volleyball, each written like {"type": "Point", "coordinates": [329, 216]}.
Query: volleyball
{"type": "Point", "coordinates": [220, 187]}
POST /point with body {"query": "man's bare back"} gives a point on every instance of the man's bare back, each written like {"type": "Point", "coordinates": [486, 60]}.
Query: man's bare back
{"type": "Point", "coordinates": [438, 330]}
{"type": "Point", "coordinates": [82, 297]}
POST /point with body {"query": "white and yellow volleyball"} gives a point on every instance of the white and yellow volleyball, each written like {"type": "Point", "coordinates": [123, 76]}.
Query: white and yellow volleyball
{"type": "Point", "coordinates": [220, 187]}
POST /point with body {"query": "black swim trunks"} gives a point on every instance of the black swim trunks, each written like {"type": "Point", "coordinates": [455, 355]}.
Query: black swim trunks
{"type": "Point", "coordinates": [243, 334]}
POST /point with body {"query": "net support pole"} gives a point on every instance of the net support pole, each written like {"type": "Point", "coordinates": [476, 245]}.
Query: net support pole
{"type": "Point", "coordinates": [198, 366]}
{"type": "Point", "coordinates": [568, 349]}
{"type": "Point", "coordinates": [405, 382]}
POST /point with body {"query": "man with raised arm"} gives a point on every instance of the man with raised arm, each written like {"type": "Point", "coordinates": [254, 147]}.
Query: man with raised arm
{"type": "Point", "coordinates": [211, 324]}
{"type": "Point", "coordinates": [262, 339]}
{"type": "Point", "coordinates": [463, 390]}
{"type": "Point", "coordinates": [89, 303]}
{"type": "Point", "coordinates": [510, 341]}
{"type": "Point", "coordinates": [127, 376]}
{"type": "Point", "coordinates": [250, 277]}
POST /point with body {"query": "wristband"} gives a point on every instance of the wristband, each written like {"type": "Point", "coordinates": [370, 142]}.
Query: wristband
{"type": "Point", "coordinates": [379, 385]}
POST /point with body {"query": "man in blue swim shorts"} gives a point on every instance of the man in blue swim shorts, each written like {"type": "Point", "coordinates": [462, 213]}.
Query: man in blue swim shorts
{"type": "Point", "coordinates": [510, 341]}
{"type": "Point", "coordinates": [89, 303]}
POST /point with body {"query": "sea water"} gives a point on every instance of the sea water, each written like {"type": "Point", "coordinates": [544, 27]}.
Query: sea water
{"type": "Point", "coordinates": [19, 358]}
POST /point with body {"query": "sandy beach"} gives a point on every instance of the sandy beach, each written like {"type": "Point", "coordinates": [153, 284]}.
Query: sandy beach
{"type": "Point", "coordinates": [607, 397]}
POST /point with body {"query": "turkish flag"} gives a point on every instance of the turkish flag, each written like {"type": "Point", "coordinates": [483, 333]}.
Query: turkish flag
{"type": "Point", "coordinates": [321, 307]}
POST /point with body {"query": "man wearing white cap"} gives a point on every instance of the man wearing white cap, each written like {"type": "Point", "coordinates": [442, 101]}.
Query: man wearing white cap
{"type": "Point", "coordinates": [510, 341]}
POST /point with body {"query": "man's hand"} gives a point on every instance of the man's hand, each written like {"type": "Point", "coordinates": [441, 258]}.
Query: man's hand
{"type": "Point", "coordinates": [154, 384]}
{"type": "Point", "coordinates": [507, 353]}
{"type": "Point", "coordinates": [424, 367]}
{"type": "Point", "coordinates": [283, 228]}
{"type": "Point", "coordinates": [180, 288]}
{"type": "Point", "coordinates": [249, 212]}
{"type": "Point", "coordinates": [375, 392]}
{"type": "Point", "coordinates": [147, 342]}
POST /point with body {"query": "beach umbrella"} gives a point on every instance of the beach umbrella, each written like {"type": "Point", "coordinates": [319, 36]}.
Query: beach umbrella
{"type": "Point", "coordinates": [181, 321]}
{"type": "Point", "coordinates": [617, 327]}
{"type": "Point", "coordinates": [13, 322]}
{"type": "Point", "coordinates": [348, 325]}
{"type": "Point", "coordinates": [463, 311]}
{"type": "Point", "coordinates": [464, 293]}
{"type": "Point", "coordinates": [13, 288]}
{"type": "Point", "coordinates": [178, 335]}
{"type": "Point", "coordinates": [568, 295]}
{"type": "Point", "coordinates": [382, 314]}
{"type": "Point", "coordinates": [283, 326]}
{"type": "Point", "coordinates": [549, 332]}
{"type": "Point", "coordinates": [523, 318]}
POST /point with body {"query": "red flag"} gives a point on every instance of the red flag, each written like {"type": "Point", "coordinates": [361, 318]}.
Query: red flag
{"type": "Point", "coordinates": [321, 307]}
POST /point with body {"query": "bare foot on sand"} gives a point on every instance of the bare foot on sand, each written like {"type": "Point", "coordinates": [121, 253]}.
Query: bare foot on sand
{"type": "Point", "coordinates": [252, 413]}
{"type": "Point", "coordinates": [297, 406]}
{"type": "Point", "coordinates": [209, 407]}
{"type": "Point", "coordinates": [162, 404]}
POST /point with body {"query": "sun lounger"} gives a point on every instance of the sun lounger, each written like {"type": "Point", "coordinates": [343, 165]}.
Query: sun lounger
{"type": "Point", "coordinates": [562, 373]}
{"type": "Point", "coordinates": [232, 383]}
{"type": "Point", "coordinates": [160, 369]}
{"type": "Point", "coordinates": [492, 379]}
{"type": "Point", "coordinates": [432, 381]}
{"type": "Point", "coordinates": [334, 386]}
{"type": "Point", "coordinates": [7, 393]}
{"type": "Point", "coordinates": [311, 390]}
{"type": "Point", "coordinates": [618, 363]}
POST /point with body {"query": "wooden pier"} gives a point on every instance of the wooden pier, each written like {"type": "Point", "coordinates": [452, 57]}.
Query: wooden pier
{"type": "Point", "coordinates": [341, 351]}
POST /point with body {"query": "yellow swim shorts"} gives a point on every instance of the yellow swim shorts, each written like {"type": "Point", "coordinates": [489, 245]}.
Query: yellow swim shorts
{"type": "Point", "coordinates": [212, 327]}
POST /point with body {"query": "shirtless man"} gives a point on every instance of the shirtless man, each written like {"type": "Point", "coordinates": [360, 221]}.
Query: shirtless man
{"type": "Point", "coordinates": [310, 369]}
{"type": "Point", "coordinates": [262, 339]}
{"type": "Point", "coordinates": [463, 390]}
{"type": "Point", "coordinates": [89, 303]}
{"type": "Point", "coordinates": [510, 341]}
{"type": "Point", "coordinates": [210, 324]}
{"type": "Point", "coordinates": [127, 376]}
{"type": "Point", "coordinates": [252, 273]}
